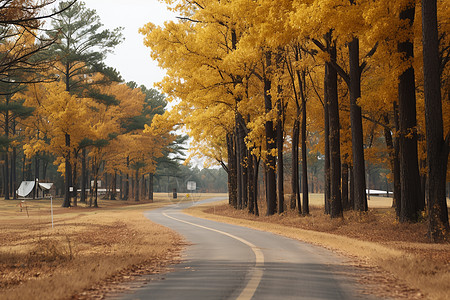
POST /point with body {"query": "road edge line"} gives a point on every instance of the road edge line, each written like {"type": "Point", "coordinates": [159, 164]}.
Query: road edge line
{"type": "Point", "coordinates": [250, 289]}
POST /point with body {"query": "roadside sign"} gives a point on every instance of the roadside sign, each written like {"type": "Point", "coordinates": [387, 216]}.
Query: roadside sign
{"type": "Point", "coordinates": [191, 185]}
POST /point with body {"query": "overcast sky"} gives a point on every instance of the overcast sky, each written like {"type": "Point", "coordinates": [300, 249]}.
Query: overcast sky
{"type": "Point", "coordinates": [132, 58]}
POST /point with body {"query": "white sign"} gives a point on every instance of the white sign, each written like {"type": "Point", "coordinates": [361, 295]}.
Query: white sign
{"type": "Point", "coordinates": [191, 185]}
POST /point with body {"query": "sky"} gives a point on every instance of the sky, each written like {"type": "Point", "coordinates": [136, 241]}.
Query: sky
{"type": "Point", "coordinates": [132, 58]}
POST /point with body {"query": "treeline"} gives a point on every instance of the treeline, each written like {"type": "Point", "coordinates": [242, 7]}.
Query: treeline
{"type": "Point", "coordinates": [167, 180]}
{"type": "Point", "coordinates": [62, 106]}
{"type": "Point", "coordinates": [357, 81]}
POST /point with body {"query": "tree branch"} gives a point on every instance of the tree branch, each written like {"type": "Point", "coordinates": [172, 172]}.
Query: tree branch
{"type": "Point", "coordinates": [369, 54]}
{"type": "Point", "coordinates": [333, 63]}
{"type": "Point", "coordinates": [21, 21]}
{"type": "Point", "coordinates": [188, 19]}
{"type": "Point", "coordinates": [224, 166]}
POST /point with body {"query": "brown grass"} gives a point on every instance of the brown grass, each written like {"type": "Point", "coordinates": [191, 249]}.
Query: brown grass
{"type": "Point", "coordinates": [400, 259]}
{"type": "Point", "coordinates": [86, 248]}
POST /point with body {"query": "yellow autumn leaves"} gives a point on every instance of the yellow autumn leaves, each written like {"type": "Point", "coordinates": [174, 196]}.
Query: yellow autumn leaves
{"type": "Point", "coordinates": [215, 63]}
{"type": "Point", "coordinates": [57, 113]}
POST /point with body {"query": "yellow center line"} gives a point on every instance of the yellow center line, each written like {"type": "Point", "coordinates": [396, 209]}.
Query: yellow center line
{"type": "Point", "coordinates": [257, 273]}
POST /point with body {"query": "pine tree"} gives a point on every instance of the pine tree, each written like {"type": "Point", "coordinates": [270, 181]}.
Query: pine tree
{"type": "Point", "coordinates": [82, 46]}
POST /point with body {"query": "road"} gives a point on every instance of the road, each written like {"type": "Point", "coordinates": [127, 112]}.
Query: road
{"type": "Point", "coordinates": [231, 262]}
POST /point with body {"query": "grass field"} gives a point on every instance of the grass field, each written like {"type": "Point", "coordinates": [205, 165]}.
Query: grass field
{"type": "Point", "coordinates": [86, 250]}
{"type": "Point", "coordinates": [401, 264]}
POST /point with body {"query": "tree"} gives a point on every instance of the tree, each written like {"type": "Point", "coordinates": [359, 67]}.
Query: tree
{"type": "Point", "coordinates": [19, 26]}
{"type": "Point", "coordinates": [437, 146]}
{"type": "Point", "coordinates": [409, 169]}
{"type": "Point", "coordinates": [235, 76]}
{"type": "Point", "coordinates": [13, 110]}
{"type": "Point", "coordinates": [19, 64]}
{"type": "Point", "coordinates": [333, 113]}
{"type": "Point", "coordinates": [270, 167]}
{"type": "Point", "coordinates": [58, 115]}
{"type": "Point", "coordinates": [82, 46]}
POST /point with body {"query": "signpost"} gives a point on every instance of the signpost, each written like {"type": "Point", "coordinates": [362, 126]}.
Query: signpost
{"type": "Point", "coordinates": [191, 185]}
{"type": "Point", "coordinates": [51, 207]}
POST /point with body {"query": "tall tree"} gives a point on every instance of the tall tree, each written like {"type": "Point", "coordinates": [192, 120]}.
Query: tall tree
{"type": "Point", "coordinates": [280, 146]}
{"type": "Point", "coordinates": [409, 167]}
{"type": "Point", "coordinates": [360, 198]}
{"type": "Point", "coordinates": [305, 193]}
{"type": "Point", "coordinates": [271, 190]}
{"type": "Point", "coordinates": [20, 45]}
{"type": "Point", "coordinates": [333, 112]}
{"type": "Point", "coordinates": [12, 109]}
{"type": "Point", "coordinates": [82, 47]}
{"type": "Point", "coordinates": [437, 146]}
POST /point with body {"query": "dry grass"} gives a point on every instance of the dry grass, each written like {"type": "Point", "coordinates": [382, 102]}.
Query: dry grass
{"type": "Point", "coordinates": [400, 260]}
{"type": "Point", "coordinates": [86, 248]}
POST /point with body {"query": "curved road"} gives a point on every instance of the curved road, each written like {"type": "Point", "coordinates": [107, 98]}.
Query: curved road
{"type": "Point", "coordinates": [231, 262]}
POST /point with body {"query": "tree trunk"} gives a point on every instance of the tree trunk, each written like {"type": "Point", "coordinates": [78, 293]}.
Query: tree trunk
{"type": "Point", "coordinates": [6, 153]}
{"type": "Point", "coordinates": [6, 176]}
{"type": "Point", "coordinates": [270, 145]}
{"type": "Point", "coordinates": [121, 186]}
{"type": "Point", "coordinates": [251, 184]}
{"type": "Point", "coordinates": [409, 169]}
{"type": "Point", "coordinates": [96, 189]}
{"type": "Point", "coordinates": [295, 196]}
{"type": "Point", "coordinates": [13, 172]}
{"type": "Point", "coordinates": [255, 183]}
{"type": "Point", "coordinates": [127, 181]}
{"type": "Point", "coordinates": [150, 187]}
{"type": "Point", "coordinates": [136, 186]}
{"type": "Point", "coordinates": [143, 187]}
{"type": "Point", "coordinates": [36, 176]}
{"type": "Point", "coordinates": [24, 160]}
{"type": "Point", "coordinates": [238, 168]}
{"type": "Point", "coordinates": [232, 171]}
{"type": "Point", "coordinates": [397, 180]}
{"type": "Point", "coordinates": [75, 179]}
{"type": "Point", "coordinates": [83, 176]}
{"type": "Point", "coordinates": [131, 194]}
{"type": "Point", "coordinates": [92, 185]}
{"type": "Point", "coordinates": [351, 201]}
{"type": "Point", "coordinates": [241, 155]}
{"type": "Point", "coordinates": [280, 167]}
{"type": "Point", "coordinates": [68, 174]}
{"type": "Point", "coordinates": [114, 186]}
{"type": "Point", "coordinates": [437, 147]}
{"type": "Point", "coordinates": [2, 177]}
{"type": "Point", "coordinates": [335, 152]}
{"type": "Point", "coordinates": [345, 201]}
{"type": "Point", "coordinates": [326, 136]}
{"type": "Point", "coordinates": [305, 193]}
{"type": "Point", "coordinates": [357, 129]}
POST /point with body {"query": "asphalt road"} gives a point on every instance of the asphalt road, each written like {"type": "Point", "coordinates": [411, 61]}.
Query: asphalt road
{"type": "Point", "coordinates": [232, 262]}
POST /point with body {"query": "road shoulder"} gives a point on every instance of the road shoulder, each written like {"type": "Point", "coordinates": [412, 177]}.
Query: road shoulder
{"type": "Point", "coordinates": [373, 259]}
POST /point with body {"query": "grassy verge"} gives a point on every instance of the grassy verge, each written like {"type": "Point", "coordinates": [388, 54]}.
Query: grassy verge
{"type": "Point", "coordinates": [400, 262]}
{"type": "Point", "coordinates": [86, 247]}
